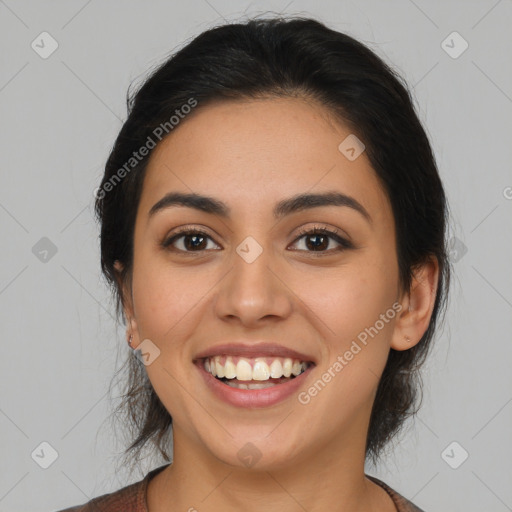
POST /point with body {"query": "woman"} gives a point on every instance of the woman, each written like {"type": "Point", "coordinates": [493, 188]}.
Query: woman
{"type": "Point", "coordinates": [273, 226]}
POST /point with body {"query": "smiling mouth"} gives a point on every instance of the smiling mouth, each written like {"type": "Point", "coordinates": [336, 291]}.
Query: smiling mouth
{"type": "Point", "coordinates": [254, 373]}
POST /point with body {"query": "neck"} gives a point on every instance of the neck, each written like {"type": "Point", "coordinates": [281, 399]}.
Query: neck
{"type": "Point", "coordinates": [328, 478]}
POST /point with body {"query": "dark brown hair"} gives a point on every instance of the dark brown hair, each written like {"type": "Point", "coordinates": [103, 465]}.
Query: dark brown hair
{"type": "Point", "coordinates": [298, 57]}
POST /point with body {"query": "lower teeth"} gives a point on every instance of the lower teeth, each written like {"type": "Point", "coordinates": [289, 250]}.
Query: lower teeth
{"type": "Point", "coordinates": [252, 384]}
{"type": "Point", "coordinates": [259, 385]}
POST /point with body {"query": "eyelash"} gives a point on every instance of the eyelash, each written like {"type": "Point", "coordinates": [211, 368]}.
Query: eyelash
{"type": "Point", "coordinates": [344, 244]}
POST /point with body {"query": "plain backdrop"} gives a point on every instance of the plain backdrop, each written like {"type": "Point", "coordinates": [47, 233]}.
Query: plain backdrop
{"type": "Point", "coordinates": [60, 114]}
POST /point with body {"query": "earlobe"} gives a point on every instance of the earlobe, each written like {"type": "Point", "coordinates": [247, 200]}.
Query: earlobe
{"type": "Point", "coordinates": [417, 307]}
{"type": "Point", "coordinates": [132, 336]}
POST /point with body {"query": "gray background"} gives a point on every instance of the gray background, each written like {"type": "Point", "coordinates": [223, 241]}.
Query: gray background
{"type": "Point", "coordinates": [60, 116]}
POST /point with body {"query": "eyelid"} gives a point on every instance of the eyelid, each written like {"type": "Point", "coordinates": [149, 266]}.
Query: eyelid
{"type": "Point", "coordinates": [183, 231]}
{"type": "Point", "coordinates": [344, 242]}
{"type": "Point", "coordinates": [333, 232]}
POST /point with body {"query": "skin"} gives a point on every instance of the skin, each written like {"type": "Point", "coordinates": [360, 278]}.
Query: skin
{"type": "Point", "coordinates": [250, 155]}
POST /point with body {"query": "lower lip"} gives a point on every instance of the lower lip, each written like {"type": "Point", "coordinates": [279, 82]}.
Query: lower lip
{"type": "Point", "coordinates": [252, 398]}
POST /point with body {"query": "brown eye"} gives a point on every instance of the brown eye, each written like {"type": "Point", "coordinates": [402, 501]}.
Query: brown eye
{"type": "Point", "coordinates": [193, 241]}
{"type": "Point", "coordinates": [318, 239]}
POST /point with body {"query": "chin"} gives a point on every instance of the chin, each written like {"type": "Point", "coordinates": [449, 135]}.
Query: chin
{"type": "Point", "coordinates": [255, 452]}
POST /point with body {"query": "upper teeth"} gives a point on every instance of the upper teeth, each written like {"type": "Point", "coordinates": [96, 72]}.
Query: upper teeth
{"type": "Point", "coordinates": [259, 368]}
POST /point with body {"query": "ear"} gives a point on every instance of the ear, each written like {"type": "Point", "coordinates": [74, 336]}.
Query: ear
{"type": "Point", "coordinates": [417, 306]}
{"type": "Point", "coordinates": [131, 323]}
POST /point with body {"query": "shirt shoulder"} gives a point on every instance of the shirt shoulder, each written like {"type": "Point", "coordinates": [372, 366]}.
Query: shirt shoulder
{"type": "Point", "coordinates": [402, 504]}
{"type": "Point", "coordinates": [131, 498]}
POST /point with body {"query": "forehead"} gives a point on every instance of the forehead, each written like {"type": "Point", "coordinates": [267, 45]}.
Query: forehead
{"type": "Point", "coordinates": [251, 154]}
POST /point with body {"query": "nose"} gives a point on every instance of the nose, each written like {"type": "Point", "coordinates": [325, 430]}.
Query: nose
{"type": "Point", "coordinates": [253, 291]}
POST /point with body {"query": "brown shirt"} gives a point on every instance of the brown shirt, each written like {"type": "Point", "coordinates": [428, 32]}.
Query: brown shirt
{"type": "Point", "coordinates": [132, 498]}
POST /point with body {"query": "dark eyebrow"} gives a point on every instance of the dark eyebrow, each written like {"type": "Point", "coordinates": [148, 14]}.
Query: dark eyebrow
{"type": "Point", "coordinates": [282, 208]}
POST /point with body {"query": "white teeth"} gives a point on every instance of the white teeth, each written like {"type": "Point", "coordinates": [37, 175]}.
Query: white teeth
{"type": "Point", "coordinates": [229, 369]}
{"type": "Point", "coordinates": [260, 370]}
{"type": "Point", "coordinates": [296, 368]}
{"type": "Point", "coordinates": [219, 367]}
{"type": "Point", "coordinates": [211, 367]}
{"type": "Point", "coordinates": [287, 367]}
{"type": "Point", "coordinates": [243, 370]}
{"type": "Point", "coordinates": [276, 369]}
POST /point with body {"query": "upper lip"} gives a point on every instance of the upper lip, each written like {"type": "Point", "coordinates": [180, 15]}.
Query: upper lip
{"type": "Point", "coordinates": [262, 349]}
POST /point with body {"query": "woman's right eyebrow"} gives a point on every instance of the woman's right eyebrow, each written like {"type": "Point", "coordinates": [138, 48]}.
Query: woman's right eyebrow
{"type": "Point", "coordinates": [283, 208]}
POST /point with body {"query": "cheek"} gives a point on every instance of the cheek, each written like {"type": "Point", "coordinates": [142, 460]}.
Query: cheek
{"type": "Point", "coordinates": [165, 297]}
{"type": "Point", "coordinates": [357, 319]}
{"type": "Point", "coordinates": [348, 301]}
{"type": "Point", "coordinates": [165, 301]}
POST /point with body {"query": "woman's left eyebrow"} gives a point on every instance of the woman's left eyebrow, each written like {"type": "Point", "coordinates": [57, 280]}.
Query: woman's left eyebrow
{"type": "Point", "coordinates": [283, 208]}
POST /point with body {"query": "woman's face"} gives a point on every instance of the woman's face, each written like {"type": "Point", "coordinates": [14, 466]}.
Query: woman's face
{"type": "Point", "coordinates": [254, 280]}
